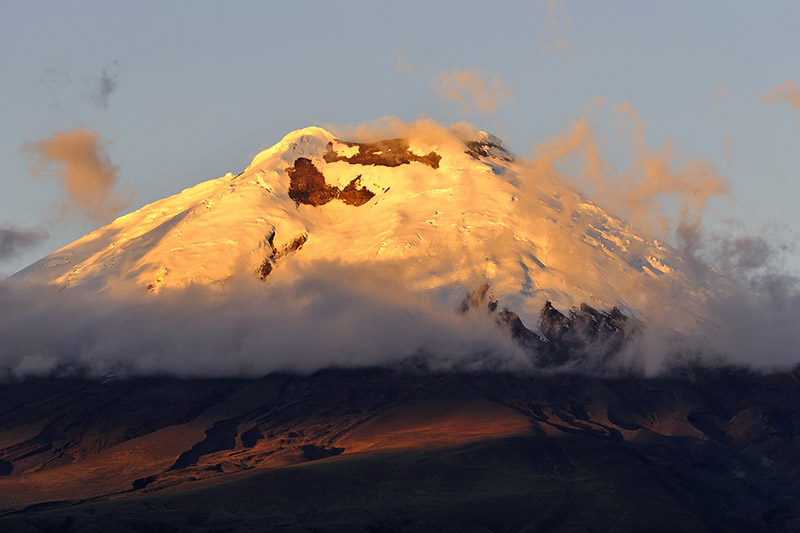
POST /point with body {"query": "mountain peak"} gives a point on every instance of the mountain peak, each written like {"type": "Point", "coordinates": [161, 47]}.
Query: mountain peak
{"type": "Point", "coordinates": [298, 143]}
{"type": "Point", "coordinates": [446, 212]}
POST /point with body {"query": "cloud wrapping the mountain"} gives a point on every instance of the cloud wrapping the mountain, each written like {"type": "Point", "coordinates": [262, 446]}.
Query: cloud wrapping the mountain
{"type": "Point", "coordinates": [336, 315]}
{"type": "Point", "coordinates": [78, 160]}
{"type": "Point", "coordinates": [473, 89]}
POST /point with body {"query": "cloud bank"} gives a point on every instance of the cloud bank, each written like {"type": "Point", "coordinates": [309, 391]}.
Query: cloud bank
{"type": "Point", "coordinates": [349, 316]}
{"type": "Point", "coordinates": [78, 161]}
{"type": "Point", "coordinates": [756, 316]}
{"type": "Point", "coordinates": [329, 315]}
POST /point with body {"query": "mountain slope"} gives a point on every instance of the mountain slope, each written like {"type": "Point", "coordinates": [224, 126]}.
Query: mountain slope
{"type": "Point", "coordinates": [392, 402]}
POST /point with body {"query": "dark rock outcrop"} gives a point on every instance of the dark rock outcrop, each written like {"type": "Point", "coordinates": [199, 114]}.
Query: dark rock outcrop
{"type": "Point", "coordinates": [352, 194]}
{"type": "Point", "coordinates": [387, 153]}
{"type": "Point", "coordinates": [265, 269]}
{"type": "Point", "coordinates": [583, 335]}
{"type": "Point", "coordinates": [583, 338]}
{"type": "Point", "coordinates": [270, 262]}
{"type": "Point", "coordinates": [479, 149]}
{"type": "Point", "coordinates": [307, 186]}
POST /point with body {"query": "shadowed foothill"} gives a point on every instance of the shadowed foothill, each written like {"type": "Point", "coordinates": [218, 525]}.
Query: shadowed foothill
{"type": "Point", "coordinates": [699, 449]}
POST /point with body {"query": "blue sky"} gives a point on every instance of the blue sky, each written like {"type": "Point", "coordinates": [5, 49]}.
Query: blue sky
{"type": "Point", "coordinates": [197, 88]}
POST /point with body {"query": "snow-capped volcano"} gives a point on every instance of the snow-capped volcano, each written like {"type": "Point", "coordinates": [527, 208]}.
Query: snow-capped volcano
{"type": "Point", "coordinates": [448, 211]}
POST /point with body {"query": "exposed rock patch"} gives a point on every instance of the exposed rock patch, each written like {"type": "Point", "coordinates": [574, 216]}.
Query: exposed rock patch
{"type": "Point", "coordinates": [388, 153]}
{"type": "Point", "coordinates": [269, 263]}
{"type": "Point", "coordinates": [353, 195]}
{"type": "Point", "coordinates": [479, 149]}
{"type": "Point", "coordinates": [264, 269]}
{"type": "Point", "coordinates": [307, 186]}
{"type": "Point", "coordinates": [290, 247]}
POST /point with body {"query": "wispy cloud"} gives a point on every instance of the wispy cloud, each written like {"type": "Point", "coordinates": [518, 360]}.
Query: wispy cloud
{"type": "Point", "coordinates": [473, 89]}
{"type": "Point", "coordinates": [56, 80]}
{"type": "Point", "coordinates": [720, 93]}
{"type": "Point", "coordinates": [97, 88]}
{"type": "Point", "coordinates": [14, 240]}
{"type": "Point", "coordinates": [656, 191]}
{"type": "Point", "coordinates": [726, 148]}
{"type": "Point", "coordinates": [555, 26]}
{"type": "Point", "coordinates": [402, 66]}
{"type": "Point", "coordinates": [78, 160]}
{"type": "Point", "coordinates": [105, 84]}
{"type": "Point", "coordinates": [55, 76]}
{"type": "Point", "coordinates": [787, 91]}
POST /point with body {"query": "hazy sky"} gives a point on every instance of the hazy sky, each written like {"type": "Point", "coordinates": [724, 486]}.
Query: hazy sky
{"type": "Point", "coordinates": [162, 95]}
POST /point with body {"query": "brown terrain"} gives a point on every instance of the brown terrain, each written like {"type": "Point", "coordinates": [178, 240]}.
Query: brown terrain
{"type": "Point", "coordinates": [403, 449]}
{"type": "Point", "coordinates": [275, 255]}
{"type": "Point", "coordinates": [307, 186]}
{"type": "Point", "coordinates": [386, 153]}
